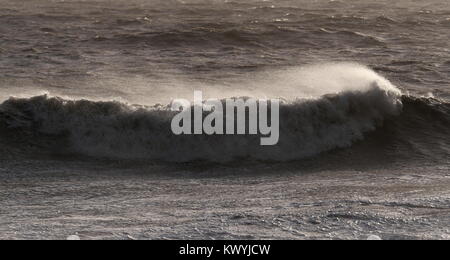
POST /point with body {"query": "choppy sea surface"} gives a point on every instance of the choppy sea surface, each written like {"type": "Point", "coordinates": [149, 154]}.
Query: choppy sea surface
{"type": "Point", "coordinates": [86, 147]}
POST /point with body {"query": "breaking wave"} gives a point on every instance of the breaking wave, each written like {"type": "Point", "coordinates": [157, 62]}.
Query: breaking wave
{"type": "Point", "coordinates": [308, 127]}
{"type": "Point", "coordinates": [113, 129]}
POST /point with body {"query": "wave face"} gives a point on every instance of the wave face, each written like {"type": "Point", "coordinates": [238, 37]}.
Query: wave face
{"type": "Point", "coordinates": [366, 113]}
{"type": "Point", "coordinates": [117, 130]}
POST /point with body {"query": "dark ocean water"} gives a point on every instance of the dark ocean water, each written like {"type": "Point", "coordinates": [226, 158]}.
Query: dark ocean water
{"type": "Point", "coordinates": [366, 90]}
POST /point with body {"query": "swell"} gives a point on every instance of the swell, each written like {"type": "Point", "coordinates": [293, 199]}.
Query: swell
{"type": "Point", "coordinates": [236, 35]}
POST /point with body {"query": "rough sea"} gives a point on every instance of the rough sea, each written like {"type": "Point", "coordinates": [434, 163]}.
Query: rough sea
{"type": "Point", "coordinates": [86, 147]}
